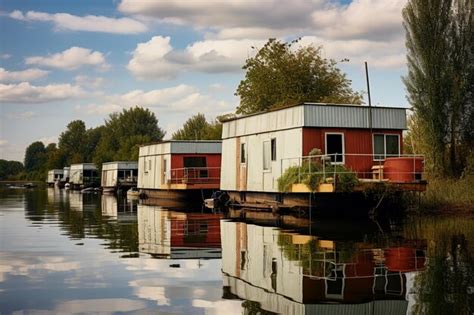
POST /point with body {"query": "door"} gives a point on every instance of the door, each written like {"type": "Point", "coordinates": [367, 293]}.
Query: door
{"type": "Point", "coordinates": [335, 147]}
{"type": "Point", "coordinates": [241, 165]}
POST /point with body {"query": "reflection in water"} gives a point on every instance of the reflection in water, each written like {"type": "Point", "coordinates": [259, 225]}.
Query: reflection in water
{"type": "Point", "coordinates": [52, 258]}
{"type": "Point", "coordinates": [447, 285]}
{"type": "Point", "coordinates": [177, 235]}
{"type": "Point", "coordinates": [289, 273]}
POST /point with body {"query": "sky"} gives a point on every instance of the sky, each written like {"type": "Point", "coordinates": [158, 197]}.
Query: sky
{"type": "Point", "coordinates": [67, 60]}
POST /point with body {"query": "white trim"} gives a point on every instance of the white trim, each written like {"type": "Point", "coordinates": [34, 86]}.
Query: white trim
{"type": "Point", "coordinates": [384, 145]}
{"type": "Point", "coordinates": [343, 146]}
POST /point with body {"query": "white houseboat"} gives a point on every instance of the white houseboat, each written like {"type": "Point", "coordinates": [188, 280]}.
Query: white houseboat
{"type": "Point", "coordinates": [120, 175]}
{"type": "Point", "coordinates": [55, 176]}
{"type": "Point", "coordinates": [83, 175]}
{"type": "Point", "coordinates": [179, 173]}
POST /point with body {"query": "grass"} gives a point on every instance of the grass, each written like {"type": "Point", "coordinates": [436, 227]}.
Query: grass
{"type": "Point", "coordinates": [449, 196]}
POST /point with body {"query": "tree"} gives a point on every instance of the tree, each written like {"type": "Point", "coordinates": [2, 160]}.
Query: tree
{"type": "Point", "coordinates": [198, 128]}
{"type": "Point", "coordinates": [9, 168]}
{"type": "Point", "coordinates": [440, 80]}
{"type": "Point", "coordinates": [35, 157]}
{"type": "Point", "coordinates": [73, 142]}
{"type": "Point", "coordinates": [280, 75]}
{"type": "Point", "coordinates": [124, 132]}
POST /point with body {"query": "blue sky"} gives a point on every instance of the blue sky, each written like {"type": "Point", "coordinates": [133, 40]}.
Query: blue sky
{"type": "Point", "coordinates": [66, 60]}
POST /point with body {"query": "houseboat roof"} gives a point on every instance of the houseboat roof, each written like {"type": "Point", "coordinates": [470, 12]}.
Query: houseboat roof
{"type": "Point", "coordinates": [119, 162]}
{"type": "Point", "coordinates": [116, 165]}
{"type": "Point", "coordinates": [83, 166]}
{"type": "Point", "coordinates": [182, 147]}
{"type": "Point", "coordinates": [322, 115]}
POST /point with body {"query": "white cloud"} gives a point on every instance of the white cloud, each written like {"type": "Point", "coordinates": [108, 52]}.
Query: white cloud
{"type": "Point", "coordinates": [157, 59]}
{"type": "Point", "coordinates": [24, 92]}
{"type": "Point", "coordinates": [24, 75]}
{"type": "Point", "coordinates": [70, 59]}
{"type": "Point", "coordinates": [3, 142]}
{"type": "Point", "coordinates": [88, 23]}
{"type": "Point", "coordinates": [89, 82]}
{"type": "Point", "coordinates": [231, 24]}
{"type": "Point", "coordinates": [5, 56]}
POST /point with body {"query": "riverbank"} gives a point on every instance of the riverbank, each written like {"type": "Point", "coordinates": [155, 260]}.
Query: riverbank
{"type": "Point", "coordinates": [447, 197]}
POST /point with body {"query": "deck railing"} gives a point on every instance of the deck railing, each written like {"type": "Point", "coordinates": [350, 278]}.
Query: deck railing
{"type": "Point", "coordinates": [194, 175]}
{"type": "Point", "coordinates": [364, 166]}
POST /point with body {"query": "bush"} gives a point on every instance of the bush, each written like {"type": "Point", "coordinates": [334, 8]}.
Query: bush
{"type": "Point", "coordinates": [311, 174]}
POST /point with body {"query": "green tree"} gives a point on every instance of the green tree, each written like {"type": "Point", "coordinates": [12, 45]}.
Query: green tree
{"type": "Point", "coordinates": [440, 85]}
{"type": "Point", "coordinates": [198, 128]}
{"type": "Point", "coordinates": [55, 157]}
{"type": "Point", "coordinates": [280, 75]}
{"type": "Point", "coordinates": [35, 157]}
{"type": "Point", "coordinates": [10, 168]}
{"type": "Point", "coordinates": [124, 132]}
{"type": "Point", "coordinates": [73, 142]}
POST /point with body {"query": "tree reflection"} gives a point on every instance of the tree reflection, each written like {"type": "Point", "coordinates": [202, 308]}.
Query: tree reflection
{"type": "Point", "coordinates": [446, 284]}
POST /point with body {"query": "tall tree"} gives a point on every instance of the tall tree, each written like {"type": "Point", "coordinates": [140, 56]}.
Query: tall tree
{"type": "Point", "coordinates": [124, 132]}
{"type": "Point", "coordinates": [35, 157]}
{"type": "Point", "coordinates": [279, 75]}
{"type": "Point", "coordinates": [9, 168]}
{"type": "Point", "coordinates": [439, 40]}
{"type": "Point", "coordinates": [73, 142]}
{"type": "Point", "coordinates": [198, 128]}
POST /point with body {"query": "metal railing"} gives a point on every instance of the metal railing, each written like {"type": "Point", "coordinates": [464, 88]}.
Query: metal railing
{"type": "Point", "coordinates": [364, 166]}
{"type": "Point", "coordinates": [194, 175]}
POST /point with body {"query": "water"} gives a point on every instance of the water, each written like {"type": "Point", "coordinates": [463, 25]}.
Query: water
{"type": "Point", "coordinates": [65, 252]}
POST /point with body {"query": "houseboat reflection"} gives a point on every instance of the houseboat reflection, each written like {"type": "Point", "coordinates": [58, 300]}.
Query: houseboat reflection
{"type": "Point", "coordinates": [289, 273]}
{"type": "Point", "coordinates": [119, 208]}
{"type": "Point", "coordinates": [178, 235]}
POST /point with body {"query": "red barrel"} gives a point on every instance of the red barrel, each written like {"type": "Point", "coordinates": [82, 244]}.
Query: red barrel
{"type": "Point", "coordinates": [403, 169]}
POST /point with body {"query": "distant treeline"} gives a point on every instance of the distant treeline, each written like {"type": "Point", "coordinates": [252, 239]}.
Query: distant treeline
{"type": "Point", "coordinates": [117, 140]}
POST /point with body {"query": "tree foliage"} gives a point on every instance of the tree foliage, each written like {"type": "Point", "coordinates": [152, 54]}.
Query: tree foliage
{"type": "Point", "coordinates": [440, 80]}
{"type": "Point", "coordinates": [35, 156]}
{"type": "Point", "coordinates": [280, 74]}
{"type": "Point", "coordinates": [124, 132]}
{"type": "Point", "coordinates": [10, 168]}
{"type": "Point", "coordinates": [198, 128]}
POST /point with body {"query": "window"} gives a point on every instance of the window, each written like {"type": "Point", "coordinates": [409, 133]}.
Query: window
{"type": "Point", "coordinates": [274, 149]}
{"type": "Point", "coordinates": [194, 161]}
{"type": "Point", "coordinates": [267, 151]}
{"type": "Point", "coordinates": [386, 146]}
{"type": "Point", "coordinates": [243, 157]}
{"type": "Point", "coordinates": [335, 147]}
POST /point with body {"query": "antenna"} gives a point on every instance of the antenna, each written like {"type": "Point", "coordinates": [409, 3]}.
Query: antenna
{"type": "Point", "coordinates": [368, 95]}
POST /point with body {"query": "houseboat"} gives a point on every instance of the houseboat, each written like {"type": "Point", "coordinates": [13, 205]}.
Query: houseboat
{"type": "Point", "coordinates": [120, 175]}
{"type": "Point", "coordinates": [311, 155]}
{"type": "Point", "coordinates": [178, 235]}
{"type": "Point", "coordinates": [55, 176]}
{"type": "Point", "coordinates": [179, 173]}
{"type": "Point", "coordinates": [288, 273]}
{"type": "Point", "coordinates": [83, 175]}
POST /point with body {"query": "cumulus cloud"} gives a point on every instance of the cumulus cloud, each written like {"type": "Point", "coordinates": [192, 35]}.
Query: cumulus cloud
{"type": "Point", "coordinates": [89, 82]}
{"type": "Point", "coordinates": [24, 92]}
{"type": "Point", "coordinates": [24, 75]}
{"type": "Point", "coordinates": [88, 23]}
{"type": "Point", "coordinates": [70, 59]}
{"type": "Point", "coordinates": [178, 99]}
{"type": "Point", "coordinates": [374, 25]}
{"type": "Point", "coordinates": [3, 142]}
{"type": "Point", "coordinates": [5, 56]}
{"type": "Point", "coordinates": [157, 59]}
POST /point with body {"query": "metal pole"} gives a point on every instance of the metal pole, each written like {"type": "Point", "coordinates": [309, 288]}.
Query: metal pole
{"type": "Point", "coordinates": [368, 96]}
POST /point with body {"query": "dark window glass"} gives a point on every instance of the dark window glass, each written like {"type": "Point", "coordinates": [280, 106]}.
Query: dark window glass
{"type": "Point", "coordinates": [334, 146]}
{"type": "Point", "coordinates": [392, 145]}
{"type": "Point", "coordinates": [379, 147]}
{"type": "Point", "coordinates": [243, 157]}
{"type": "Point", "coordinates": [274, 150]}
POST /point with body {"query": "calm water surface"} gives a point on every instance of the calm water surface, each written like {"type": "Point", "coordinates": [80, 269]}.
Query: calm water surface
{"type": "Point", "coordinates": [66, 252]}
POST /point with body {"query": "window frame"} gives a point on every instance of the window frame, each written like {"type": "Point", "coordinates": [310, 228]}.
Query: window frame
{"type": "Point", "coordinates": [343, 146]}
{"type": "Point", "coordinates": [384, 145]}
{"type": "Point", "coordinates": [269, 169]}
{"type": "Point", "coordinates": [273, 149]}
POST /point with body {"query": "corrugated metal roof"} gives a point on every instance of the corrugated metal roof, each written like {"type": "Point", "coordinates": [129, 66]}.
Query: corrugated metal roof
{"type": "Point", "coordinates": [182, 147]}
{"type": "Point", "coordinates": [316, 115]}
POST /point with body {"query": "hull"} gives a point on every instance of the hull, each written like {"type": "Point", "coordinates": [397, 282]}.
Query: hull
{"type": "Point", "coordinates": [175, 199]}
{"type": "Point", "coordinates": [354, 204]}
